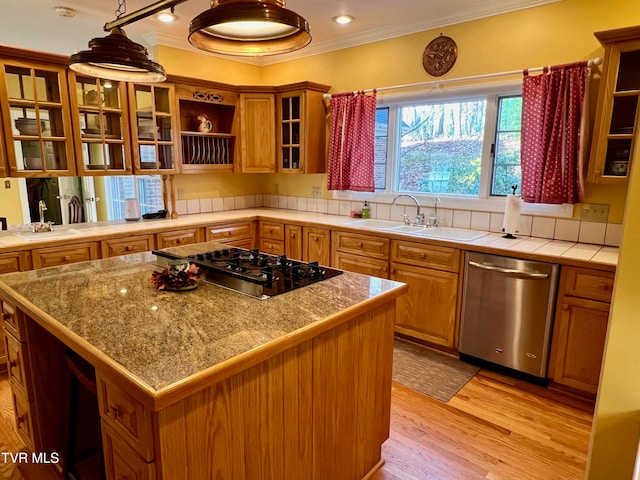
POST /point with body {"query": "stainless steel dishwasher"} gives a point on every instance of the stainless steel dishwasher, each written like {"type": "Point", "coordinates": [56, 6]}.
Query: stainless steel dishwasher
{"type": "Point", "coordinates": [507, 312]}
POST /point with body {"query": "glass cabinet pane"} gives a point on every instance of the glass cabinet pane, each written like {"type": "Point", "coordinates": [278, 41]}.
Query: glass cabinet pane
{"type": "Point", "coordinates": [295, 133]}
{"type": "Point", "coordinates": [286, 110]}
{"type": "Point", "coordinates": [623, 115]}
{"type": "Point", "coordinates": [295, 108]}
{"type": "Point", "coordinates": [617, 159]}
{"type": "Point", "coordinates": [162, 102]}
{"type": "Point", "coordinates": [164, 129]}
{"type": "Point", "coordinates": [629, 71]}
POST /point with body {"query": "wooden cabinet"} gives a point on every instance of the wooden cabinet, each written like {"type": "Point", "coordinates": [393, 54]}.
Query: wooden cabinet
{"type": "Point", "coordinates": [257, 133]}
{"type": "Point", "coordinates": [301, 128]}
{"type": "Point", "coordinates": [34, 103]}
{"type": "Point", "coordinates": [272, 239]}
{"type": "Point", "coordinates": [207, 119]}
{"type": "Point", "coordinates": [241, 234]}
{"type": "Point", "coordinates": [616, 120]}
{"type": "Point", "coordinates": [62, 255]}
{"type": "Point", "coordinates": [101, 123]}
{"type": "Point", "coordinates": [429, 310]}
{"type": "Point", "coordinates": [176, 238]}
{"type": "Point", "coordinates": [120, 461]}
{"type": "Point", "coordinates": [4, 165]}
{"type": "Point", "coordinates": [580, 329]}
{"type": "Point", "coordinates": [15, 262]}
{"type": "Point", "coordinates": [293, 241]}
{"type": "Point", "coordinates": [127, 245]}
{"type": "Point", "coordinates": [154, 128]}
{"type": "Point", "coordinates": [316, 245]}
{"type": "Point", "coordinates": [360, 253]}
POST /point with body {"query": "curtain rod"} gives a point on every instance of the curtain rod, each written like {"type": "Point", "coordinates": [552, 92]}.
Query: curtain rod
{"type": "Point", "coordinates": [437, 83]}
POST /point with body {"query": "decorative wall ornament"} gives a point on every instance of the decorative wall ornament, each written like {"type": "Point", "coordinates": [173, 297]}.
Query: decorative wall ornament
{"type": "Point", "coordinates": [439, 56]}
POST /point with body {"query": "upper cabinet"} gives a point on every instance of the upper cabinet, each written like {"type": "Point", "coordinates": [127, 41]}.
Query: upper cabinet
{"type": "Point", "coordinates": [301, 128]}
{"type": "Point", "coordinates": [154, 128]}
{"type": "Point", "coordinates": [206, 128]}
{"type": "Point", "coordinates": [257, 134]}
{"type": "Point", "coordinates": [616, 121]}
{"type": "Point", "coordinates": [101, 123]}
{"type": "Point", "coordinates": [36, 119]}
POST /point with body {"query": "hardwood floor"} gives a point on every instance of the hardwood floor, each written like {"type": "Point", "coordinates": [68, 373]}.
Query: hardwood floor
{"type": "Point", "coordinates": [495, 428]}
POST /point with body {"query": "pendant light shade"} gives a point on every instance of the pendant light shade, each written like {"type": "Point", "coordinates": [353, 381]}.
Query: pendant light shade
{"type": "Point", "coordinates": [249, 28]}
{"type": "Point", "coordinates": [115, 57]}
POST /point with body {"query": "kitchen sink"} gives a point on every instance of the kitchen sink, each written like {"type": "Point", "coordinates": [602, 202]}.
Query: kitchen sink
{"type": "Point", "coordinates": [449, 233]}
{"type": "Point", "coordinates": [374, 223]}
{"type": "Point", "coordinates": [406, 229]}
{"type": "Point", "coordinates": [53, 235]}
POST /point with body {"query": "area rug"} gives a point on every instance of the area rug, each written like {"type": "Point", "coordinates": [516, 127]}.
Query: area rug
{"type": "Point", "coordinates": [431, 373]}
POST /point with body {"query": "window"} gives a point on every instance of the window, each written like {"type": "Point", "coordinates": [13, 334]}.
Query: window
{"type": "Point", "coordinates": [146, 188]}
{"type": "Point", "coordinates": [463, 145]}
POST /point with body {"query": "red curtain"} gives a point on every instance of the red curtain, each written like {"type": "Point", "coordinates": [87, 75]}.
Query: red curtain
{"type": "Point", "coordinates": [552, 111]}
{"type": "Point", "coordinates": [351, 142]}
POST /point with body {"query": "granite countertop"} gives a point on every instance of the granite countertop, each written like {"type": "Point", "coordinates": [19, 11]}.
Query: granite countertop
{"type": "Point", "coordinates": [547, 249]}
{"type": "Point", "coordinates": [165, 337]}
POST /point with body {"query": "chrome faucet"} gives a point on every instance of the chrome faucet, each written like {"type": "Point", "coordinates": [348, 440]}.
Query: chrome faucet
{"type": "Point", "coordinates": [42, 207]}
{"type": "Point", "coordinates": [419, 214]}
{"type": "Point", "coordinates": [433, 221]}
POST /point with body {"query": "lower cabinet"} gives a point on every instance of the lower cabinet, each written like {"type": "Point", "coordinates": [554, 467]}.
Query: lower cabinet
{"type": "Point", "coordinates": [316, 245]}
{"type": "Point", "coordinates": [272, 237]}
{"type": "Point", "coordinates": [293, 241]}
{"type": "Point", "coordinates": [62, 255]}
{"type": "Point", "coordinates": [358, 253]}
{"type": "Point", "coordinates": [240, 234]}
{"type": "Point", "coordinates": [580, 329]}
{"type": "Point", "coordinates": [15, 262]}
{"type": "Point", "coordinates": [361, 264]}
{"type": "Point", "coordinates": [177, 238]}
{"type": "Point", "coordinates": [429, 310]}
{"type": "Point", "coordinates": [125, 246]}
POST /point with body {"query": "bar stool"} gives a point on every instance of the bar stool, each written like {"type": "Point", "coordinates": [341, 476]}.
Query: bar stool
{"type": "Point", "coordinates": [82, 374]}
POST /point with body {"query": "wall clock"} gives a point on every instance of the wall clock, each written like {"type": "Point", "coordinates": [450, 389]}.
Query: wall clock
{"type": "Point", "coordinates": [439, 56]}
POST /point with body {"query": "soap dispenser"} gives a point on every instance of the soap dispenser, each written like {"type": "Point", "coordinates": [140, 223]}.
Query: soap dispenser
{"type": "Point", "coordinates": [366, 213]}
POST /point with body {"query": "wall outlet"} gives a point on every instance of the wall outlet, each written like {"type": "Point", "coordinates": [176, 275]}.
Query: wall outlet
{"type": "Point", "coordinates": [315, 192]}
{"type": "Point", "coordinates": [594, 212]}
{"type": "Point", "coordinates": [7, 184]}
{"type": "Point", "coordinates": [181, 194]}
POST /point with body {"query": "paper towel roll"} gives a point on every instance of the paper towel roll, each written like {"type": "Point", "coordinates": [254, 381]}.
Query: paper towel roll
{"type": "Point", "coordinates": [511, 215]}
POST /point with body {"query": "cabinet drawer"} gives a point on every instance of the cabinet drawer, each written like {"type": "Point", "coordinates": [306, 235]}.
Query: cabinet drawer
{"type": "Point", "coordinates": [127, 416]}
{"type": "Point", "coordinates": [367, 266]}
{"type": "Point", "coordinates": [23, 415]}
{"type": "Point", "coordinates": [589, 284]}
{"type": "Point", "coordinates": [17, 362]}
{"type": "Point", "coordinates": [362, 245]}
{"type": "Point", "coordinates": [13, 321]}
{"type": "Point", "coordinates": [441, 258]}
{"type": "Point", "coordinates": [272, 230]}
{"type": "Point", "coordinates": [54, 256]}
{"type": "Point", "coordinates": [229, 232]}
{"type": "Point", "coordinates": [14, 262]}
{"type": "Point", "coordinates": [274, 247]}
{"type": "Point", "coordinates": [124, 246]}
{"type": "Point", "coordinates": [179, 237]}
{"type": "Point", "coordinates": [120, 461]}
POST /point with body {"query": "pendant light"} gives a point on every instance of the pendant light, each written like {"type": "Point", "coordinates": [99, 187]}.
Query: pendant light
{"type": "Point", "coordinates": [115, 57]}
{"type": "Point", "coordinates": [249, 28]}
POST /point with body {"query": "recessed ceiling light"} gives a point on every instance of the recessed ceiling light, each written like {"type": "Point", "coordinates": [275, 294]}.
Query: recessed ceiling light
{"type": "Point", "coordinates": [166, 16]}
{"type": "Point", "coordinates": [343, 19]}
{"type": "Point", "coordinates": [65, 11]}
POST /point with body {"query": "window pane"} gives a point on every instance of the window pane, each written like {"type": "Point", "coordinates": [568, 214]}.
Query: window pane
{"type": "Point", "coordinates": [506, 163]}
{"type": "Point", "coordinates": [441, 147]}
{"type": "Point", "coordinates": [380, 154]}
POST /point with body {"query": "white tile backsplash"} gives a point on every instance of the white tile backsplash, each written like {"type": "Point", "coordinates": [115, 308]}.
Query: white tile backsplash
{"type": "Point", "coordinates": [560, 230]}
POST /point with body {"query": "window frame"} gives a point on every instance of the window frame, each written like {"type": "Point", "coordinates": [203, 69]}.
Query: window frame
{"type": "Point", "coordinates": [484, 201]}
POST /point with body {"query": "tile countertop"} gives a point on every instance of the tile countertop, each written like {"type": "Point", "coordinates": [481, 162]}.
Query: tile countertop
{"type": "Point", "coordinates": [546, 249]}
{"type": "Point", "coordinates": [165, 337]}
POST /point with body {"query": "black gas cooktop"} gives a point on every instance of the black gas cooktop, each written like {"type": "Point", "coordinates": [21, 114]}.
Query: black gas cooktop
{"type": "Point", "coordinates": [255, 273]}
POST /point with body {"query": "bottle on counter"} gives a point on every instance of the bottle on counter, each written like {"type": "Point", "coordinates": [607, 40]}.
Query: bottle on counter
{"type": "Point", "coordinates": [366, 213]}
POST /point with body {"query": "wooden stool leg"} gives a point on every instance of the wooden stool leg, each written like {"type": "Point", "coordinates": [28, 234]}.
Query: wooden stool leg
{"type": "Point", "coordinates": [72, 425]}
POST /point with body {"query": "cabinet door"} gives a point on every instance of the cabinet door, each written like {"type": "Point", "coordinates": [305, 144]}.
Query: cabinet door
{"type": "Point", "coordinates": [4, 166]}
{"type": "Point", "coordinates": [578, 343]}
{"type": "Point", "coordinates": [101, 122]}
{"type": "Point", "coordinates": [257, 133]}
{"type": "Point", "coordinates": [428, 310]}
{"type": "Point", "coordinates": [15, 262]}
{"type": "Point", "coordinates": [124, 246]}
{"type": "Point", "coordinates": [365, 265]}
{"type": "Point", "coordinates": [154, 128]}
{"type": "Point", "coordinates": [179, 237]}
{"type": "Point", "coordinates": [36, 119]}
{"type": "Point", "coordinates": [316, 245]}
{"type": "Point", "coordinates": [293, 241]}
{"type": "Point", "coordinates": [54, 256]}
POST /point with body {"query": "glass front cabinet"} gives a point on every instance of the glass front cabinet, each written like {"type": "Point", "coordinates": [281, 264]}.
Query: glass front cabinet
{"type": "Point", "coordinates": [301, 128]}
{"type": "Point", "coordinates": [102, 140]}
{"type": "Point", "coordinates": [37, 127]}
{"type": "Point", "coordinates": [616, 123]}
{"type": "Point", "coordinates": [154, 127]}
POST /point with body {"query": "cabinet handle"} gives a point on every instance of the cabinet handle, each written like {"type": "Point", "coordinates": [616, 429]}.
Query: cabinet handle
{"type": "Point", "coordinates": [12, 364]}
{"type": "Point", "coordinates": [117, 412]}
{"type": "Point", "coordinates": [19, 420]}
{"type": "Point", "coordinates": [6, 316]}
{"type": "Point", "coordinates": [179, 241]}
{"type": "Point", "coordinates": [423, 255]}
{"type": "Point", "coordinates": [128, 248]}
{"type": "Point", "coordinates": [360, 244]}
{"type": "Point", "coordinates": [293, 235]}
{"type": "Point", "coordinates": [66, 258]}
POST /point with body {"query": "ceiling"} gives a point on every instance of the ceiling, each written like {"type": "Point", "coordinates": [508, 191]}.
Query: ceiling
{"type": "Point", "coordinates": [34, 24]}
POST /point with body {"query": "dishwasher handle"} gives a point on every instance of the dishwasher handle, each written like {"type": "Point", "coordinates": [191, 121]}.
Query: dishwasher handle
{"type": "Point", "coordinates": [509, 271]}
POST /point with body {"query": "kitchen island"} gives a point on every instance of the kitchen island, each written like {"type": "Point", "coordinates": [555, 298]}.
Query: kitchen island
{"type": "Point", "coordinates": [207, 383]}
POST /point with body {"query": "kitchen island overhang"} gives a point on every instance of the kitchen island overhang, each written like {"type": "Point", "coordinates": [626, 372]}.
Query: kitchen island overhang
{"type": "Point", "coordinates": [304, 377]}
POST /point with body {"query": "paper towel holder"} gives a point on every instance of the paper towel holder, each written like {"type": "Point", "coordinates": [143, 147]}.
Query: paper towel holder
{"type": "Point", "coordinates": [510, 235]}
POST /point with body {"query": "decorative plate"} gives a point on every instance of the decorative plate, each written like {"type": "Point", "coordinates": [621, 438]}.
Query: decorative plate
{"type": "Point", "coordinates": [181, 289]}
{"type": "Point", "coordinates": [440, 56]}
